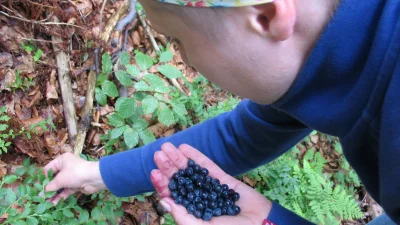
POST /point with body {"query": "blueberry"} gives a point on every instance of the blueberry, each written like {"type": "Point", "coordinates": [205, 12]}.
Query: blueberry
{"type": "Point", "coordinates": [230, 211]}
{"type": "Point", "coordinates": [236, 196]}
{"type": "Point", "coordinates": [199, 206]}
{"type": "Point", "coordinates": [236, 209]}
{"type": "Point", "coordinates": [188, 181]}
{"type": "Point", "coordinates": [198, 183]}
{"type": "Point", "coordinates": [190, 196]}
{"type": "Point", "coordinates": [197, 200]}
{"type": "Point", "coordinates": [231, 192]}
{"type": "Point", "coordinates": [185, 202]}
{"type": "Point", "coordinates": [175, 176]}
{"type": "Point", "coordinates": [217, 212]}
{"type": "Point", "coordinates": [198, 214]}
{"type": "Point", "coordinates": [204, 171]}
{"type": "Point", "coordinates": [197, 192]}
{"type": "Point", "coordinates": [174, 194]}
{"type": "Point", "coordinates": [224, 211]}
{"type": "Point", "coordinates": [217, 188]}
{"type": "Point", "coordinates": [228, 203]}
{"type": "Point", "coordinates": [220, 204]}
{"type": "Point", "coordinates": [225, 187]}
{"type": "Point", "coordinates": [213, 196]}
{"type": "Point", "coordinates": [207, 215]}
{"type": "Point", "coordinates": [207, 187]}
{"type": "Point", "coordinates": [181, 173]}
{"type": "Point", "coordinates": [191, 163]}
{"type": "Point", "coordinates": [182, 191]}
{"type": "Point", "coordinates": [205, 202]}
{"type": "Point", "coordinates": [202, 178]}
{"type": "Point", "coordinates": [213, 205]}
{"type": "Point", "coordinates": [225, 194]}
{"type": "Point", "coordinates": [215, 182]}
{"type": "Point", "coordinates": [195, 177]}
{"type": "Point", "coordinates": [181, 181]}
{"type": "Point", "coordinates": [190, 187]}
{"type": "Point", "coordinates": [179, 200]}
{"type": "Point", "coordinates": [204, 195]}
{"type": "Point", "coordinates": [196, 168]}
{"type": "Point", "coordinates": [189, 171]}
{"type": "Point", "coordinates": [191, 208]}
{"type": "Point", "coordinates": [208, 180]}
{"type": "Point", "coordinates": [172, 185]}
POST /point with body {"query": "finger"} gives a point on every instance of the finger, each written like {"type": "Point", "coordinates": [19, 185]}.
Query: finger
{"type": "Point", "coordinates": [165, 164]}
{"type": "Point", "coordinates": [202, 160]}
{"type": "Point", "coordinates": [160, 183]}
{"type": "Point", "coordinates": [55, 184]}
{"type": "Point", "coordinates": [54, 165]}
{"type": "Point", "coordinates": [176, 156]}
{"type": "Point", "coordinates": [63, 195]}
{"type": "Point", "coordinates": [179, 212]}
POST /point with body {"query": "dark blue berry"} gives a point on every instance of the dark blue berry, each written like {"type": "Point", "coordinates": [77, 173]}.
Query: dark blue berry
{"type": "Point", "coordinates": [228, 203]}
{"type": "Point", "coordinates": [195, 177]}
{"type": "Point", "coordinates": [197, 200]}
{"type": "Point", "coordinates": [199, 206]}
{"type": "Point", "coordinates": [231, 192]}
{"type": "Point", "coordinates": [217, 212]}
{"type": "Point", "coordinates": [205, 202]}
{"type": "Point", "coordinates": [230, 211]}
{"type": "Point", "coordinates": [225, 194]}
{"type": "Point", "coordinates": [185, 202]}
{"type": "Point", "coordinates": [191, 163]}
{"type": "Point", "coordinates": [174, 194]}
{"type": "Point", "coordinates": [224, 211]}
{"type": "Point", "coordinates": [213, 196]}
{"type": "Point", "coordinates": [181, 173]}
{"type": "Point", "coordinates": [189, 171]}
{"type": "Point", "coordinates": [204, 171]}
{"type": "Point", "coordinates": [182, 191]}
{"type": "Point", "coordinates": [179, 200]}
{"type": "Point", "coordinates": [198, 183]}
{"type": "Point", "coordinates": [188, 181]}
{"type": "Point", "coordinates": [236, 196]}
{"type": "Point", "coordinates": [190, 187]}
{"type": "Point", "coordinates": [236, 209]}
{"type": "Point", "coordinates": [212, 205]}
{"type": "Point", "coordinates": [172, 185]}
{"type": "Point", "coordinates": [207, 187]}
{"type": "Point", "coordinates": [217, 188]}
{"type": "Point", "coordinates": [215, 182]}
{"type": "Point", "coordinates": [181, 181]}
{"type": "Point", "coordinates": [198, 214]}
{"type": "Point", "coordinates": [220, 204]}
{"type": "Point", "coordinates": [196, 168]}
{"type": "Point", "coordinates": [208, 180]}
{"type": "Point", "coordinates": [176, 176]}
{"type": "Point", "coordinates": [191, 208]}
{"type": "Point", "coordinates": [204, 195]}
{"type": "Point", "coordinates": [190, 196]}
{"type": "Point", "coordinates": [208, 214]}
{"type": "Point", "coordinates": [197, 192]}
{"type": "Point", "coordinates": [225, 187]}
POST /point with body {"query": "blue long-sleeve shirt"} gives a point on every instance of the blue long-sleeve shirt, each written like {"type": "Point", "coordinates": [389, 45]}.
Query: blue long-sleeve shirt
{"type": "Point", "coordinates": [348, 87]}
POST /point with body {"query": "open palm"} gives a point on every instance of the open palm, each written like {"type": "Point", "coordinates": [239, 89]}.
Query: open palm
{"type": "Point", "coordinates": [254, 206]}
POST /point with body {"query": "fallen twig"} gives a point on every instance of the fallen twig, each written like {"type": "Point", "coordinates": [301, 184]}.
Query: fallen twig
{"type": "Point", "coordinates": [105, 34]}
{"type": "Point", "coordinates": [66, 90]}
{"type": "Point", "coordinates": [29, 39]}
{"type": "Point", "coordinates": [123, 22]}
{"type": "Point", "coordinates": [86, 114]}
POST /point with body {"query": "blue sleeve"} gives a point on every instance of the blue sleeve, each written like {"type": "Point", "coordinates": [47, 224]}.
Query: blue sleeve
{"type": "Point", "coordinates": [238, 141]}
{"type": "Point", "coordinates": [281, 216]}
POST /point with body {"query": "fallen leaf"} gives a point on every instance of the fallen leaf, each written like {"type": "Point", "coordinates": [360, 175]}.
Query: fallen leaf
{"type": "Point", "coordinates": [5, 60]}
{"type": "Point", "coordinates": [25, 64]}
{"type": "Point", "coordinates": [3, 169]}
{"type": "Point", "coordinates": [7, 79]}
{"type": "Point", "coordinates": [51, 86]}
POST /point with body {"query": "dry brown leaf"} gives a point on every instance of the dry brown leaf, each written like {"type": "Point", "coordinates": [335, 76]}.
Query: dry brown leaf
{"type": "Point", "coordinates": [3, 169]}
{"type": "Point", "coordinates": [136, 38]}
{"type": "Point", "coordinates": [25, 64]}
{"type": "Point", "coordinates": [158, 129]}
{"type": "Point", "coordinates": [6, 60]}
{"type": "Point", "coordinates": [7, 78]}
{"type": "Point", "coordinates": [36, 98]}
{"type": "Point", "coordinates": [251, 182]}
{"type": "Point", "coordinates": [33, 121]}
{"type": "Point", "coordinates": [168, 133]}
{"type": "Point", "coordinates": [51, 86]}
{"type": "Point", "coordinates": [96, 139]}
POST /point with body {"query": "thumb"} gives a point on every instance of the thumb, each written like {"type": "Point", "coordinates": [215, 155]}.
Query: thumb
{"type": "Point", "coordinates": [179, 213]}
{"type": "Point", "coordinates": [54, 185]}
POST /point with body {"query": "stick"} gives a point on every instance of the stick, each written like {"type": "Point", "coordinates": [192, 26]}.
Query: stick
{"type": "Point", "coordinates": [86, 114]}
{"type": "Point", "coordinates": [123, 22]}
{"type": "Point", "coordinates": [155, 46]}
{"type": "Point", "coordinates": [66, 90]}
{"type": "Point", "coordinates": [114, 20]}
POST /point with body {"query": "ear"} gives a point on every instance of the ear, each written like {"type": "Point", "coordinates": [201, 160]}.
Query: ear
{"type": "Point", "coordinates": [276, 19]}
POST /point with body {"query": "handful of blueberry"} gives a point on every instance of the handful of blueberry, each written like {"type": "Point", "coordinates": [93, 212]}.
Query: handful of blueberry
{"type": "Point", "coordinates": [201, 195]}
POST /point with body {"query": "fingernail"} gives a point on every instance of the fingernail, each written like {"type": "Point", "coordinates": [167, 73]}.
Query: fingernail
{"type": "Point", "coordinates": [165, 205]}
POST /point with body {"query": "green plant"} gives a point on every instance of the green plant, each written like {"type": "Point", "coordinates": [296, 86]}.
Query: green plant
{"type": "Point", "coordinates": [3, 127]}
{"type": "Point", "coordinates": [27, 204]}
{"type": "Point", "coordinates": [30, 48]}
{"type": "Point", "coordinates": [21, 83]}
{"type": "Point", "coordinates": [302, 187]}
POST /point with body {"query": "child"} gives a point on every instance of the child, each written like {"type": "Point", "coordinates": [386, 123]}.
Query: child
{"type": "Point", "coordinates": [325, 65]}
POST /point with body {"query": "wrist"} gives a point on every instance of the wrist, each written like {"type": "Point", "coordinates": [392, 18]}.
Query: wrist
{"type": "Point", "coordinates": [94, 181]}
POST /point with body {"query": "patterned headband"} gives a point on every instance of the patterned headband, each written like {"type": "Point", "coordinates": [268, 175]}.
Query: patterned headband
{"type": "Point", "coordinates": [216, 3]}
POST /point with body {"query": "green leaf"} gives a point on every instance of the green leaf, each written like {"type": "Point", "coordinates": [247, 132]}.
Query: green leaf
{"type": "Point", "coordinates": [149, 104]}
{"type": "Point", "coordinates": [154, 80]}
{"type": "Point", "coordinates": [162, 89]}
{"type": "Point", "coordinates": [117, 132]}
{"type": "Point", "coordinates": [165, 115]}
{"type": "Point", "coordinates": [166, 56]}
{"type": "Point", "coordinates": [125, 107]}
{"type": "Point", "coordinates": [32, 221]}
{"type": "Point", "coordinates": [50, 174]}
{"type": "Point", "coordinates": [4, 118]}
{"type": "Point", "coordinates": [170, 71]}
{"type": "Point", "coordinates": [3, 127]}
{"type": "Point", "coordinates": [19, 222]}
{"type": "Point", "coordinates": [138, 122]}
{"type": "Point", "coordinates": [146, 136]}
{"type": "Point", "coordinates": [124, 78]}
{"type": "Point", "coordinates": [106, 63]}
{"type": "Point", "coordinates": [142, 86]}
{"type": "Point", "coordinates": [125, 58]}
{"type": "Point", "coordinates": [84, 216]}
{"type": "Point", "coordinates": [144, 61]}
{"type": "Point", "coordinates": [115, 120]}
{"type": "Point", "coordinates": [40, 208]}
{"type": "Point", "coordinates": [3, 109]}
{"type": "Point", "coordinates": [101, 98]}
{"type": "Point", "coordinates": [27, 47]}
{"type": "Point", "coordinates": [10, 178]}
{"type": "Point", "coordinates": [37, 55]}
{"type": "Point", "coordinates": [26, 162]}
{"type": "Point", "coordinates": [131, 137]}
{"type": "Point", "coordinates": [57, 215]}
{"type": "Point", "coordinates": [133, 70]}
{"type": "Point", "coordinates": [100, 79]}
{"type": "Point", "coordinates": [110, 89]}
{"type": "Point", "coordinates": [96, 212]}
{"type": "Point", "coordinates": [21, 190]}
{"type": "Point", "coordinates": [179, 108]}
{"type": "Point", "coordinates": [67, 212]}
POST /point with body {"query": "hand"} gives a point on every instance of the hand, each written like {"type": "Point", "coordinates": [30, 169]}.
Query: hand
{"type": "Point", "coordinates": [254, 206]}
{"type": "Point", "coordinates": [73, 174]}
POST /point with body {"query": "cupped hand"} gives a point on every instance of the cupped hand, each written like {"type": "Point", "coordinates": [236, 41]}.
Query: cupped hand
{"type": "Point", "coordinates": [72, 174]}
{"type": "Point", "coordinates": [254, 206]}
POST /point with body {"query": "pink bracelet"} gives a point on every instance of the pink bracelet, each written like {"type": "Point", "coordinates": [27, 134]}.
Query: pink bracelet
{"type": "Point", "coordinates": [267, 222]}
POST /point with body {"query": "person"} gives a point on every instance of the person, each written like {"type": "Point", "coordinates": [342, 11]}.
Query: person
{"type": "Point", "coordinates": [331, 66]}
